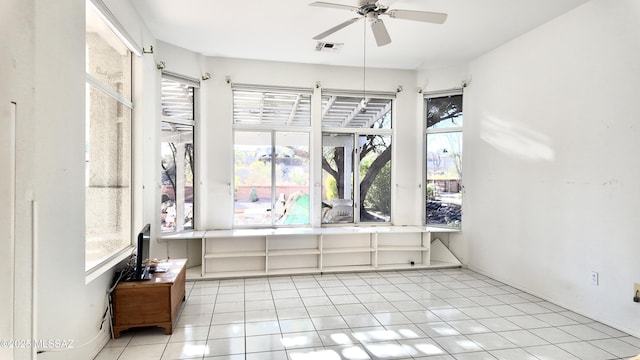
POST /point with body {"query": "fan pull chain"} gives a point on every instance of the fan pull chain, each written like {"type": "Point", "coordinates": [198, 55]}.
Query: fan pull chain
{"type": "Point", "coordinates": [364, 59]}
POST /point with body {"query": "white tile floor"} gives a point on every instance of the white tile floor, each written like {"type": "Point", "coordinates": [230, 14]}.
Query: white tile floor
{"type": "Point", "coordinates": [452, 314]}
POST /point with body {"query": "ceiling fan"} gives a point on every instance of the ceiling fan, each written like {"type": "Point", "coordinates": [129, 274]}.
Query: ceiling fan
{"type": "Point", "coordinates": [372, 10]}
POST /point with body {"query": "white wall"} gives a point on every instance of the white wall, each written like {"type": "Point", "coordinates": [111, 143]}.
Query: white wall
{"type": "Point", "coordinates": [59, 174]}
{"type": "Point", "coordinates": [16, 73]}
{"type": "Point", "coordinates": [43, 70]}
{"type": "Point", "coordinates": [551, 139]}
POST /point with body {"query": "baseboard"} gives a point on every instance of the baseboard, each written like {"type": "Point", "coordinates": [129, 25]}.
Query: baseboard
{"type": "Point", "coordinates": [629, 331]}
{"type": "Point", "coordinates": [87, 350]}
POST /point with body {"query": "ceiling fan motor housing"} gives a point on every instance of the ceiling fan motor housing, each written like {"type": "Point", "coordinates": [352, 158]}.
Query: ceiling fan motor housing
{"type": "Point", "coordinates": [371, 7]}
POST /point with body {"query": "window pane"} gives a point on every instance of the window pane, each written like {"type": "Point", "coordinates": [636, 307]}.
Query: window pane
{"type": "Point", "coordinates": [375, 178]}
{"type": "Point", "coordinates": [108, 176]}
{"type": "Point", "coordinates": [356, 112]}
{"type": "Point", "coordinates": [444, 174]}
{"type": "Point", "coordinates": [177, 99]}
{"type": "Point", "coordinates": [107, 58]}
{"type": "Point", "coordinates": [337, 178]}
{"type": "Point", "coordinates": [252, 178]}
{"type": "Point", "coordinates": [177, 161]}
{"type": "Point", "coordinates": [292, 178]}
{"type": "Point", "coordinates": [444, 112]}
{"type": "Point", "coordinates": [271, 108]}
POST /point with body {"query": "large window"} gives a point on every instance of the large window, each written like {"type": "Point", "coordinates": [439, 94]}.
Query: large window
{"type": "Point", "coordinates": [108, 141]}
{"type": "Point", "coordinates": [444, 160]}
{"type": "Point", "coordinates": [271, 156]}
{"type": "Point", "coordinates": [356, 159]}
{"type": "Point", "coordinates": [177, 153]}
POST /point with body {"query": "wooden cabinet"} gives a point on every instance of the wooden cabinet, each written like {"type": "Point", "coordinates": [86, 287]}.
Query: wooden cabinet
{"type": "Point", "coordinates": [152, 302]}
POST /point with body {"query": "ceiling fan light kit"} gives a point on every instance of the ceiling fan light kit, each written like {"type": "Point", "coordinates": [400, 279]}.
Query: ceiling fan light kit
{"type": "Point", "coordinates": [372, 10]}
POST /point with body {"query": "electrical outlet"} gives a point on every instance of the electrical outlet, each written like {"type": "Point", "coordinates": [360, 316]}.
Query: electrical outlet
{"type": "Point", "coordinates": [595, 278]}
{"type": "Point", "coordinates": [636, 292]}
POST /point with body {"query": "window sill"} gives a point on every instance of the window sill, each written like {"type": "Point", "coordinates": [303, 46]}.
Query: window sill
{"type": "Point", "coordinates": [326, 230]}
{"type": "Point", "coordinates": [107, 265]}
{"type": "Point", "coordinates": [443, 229]}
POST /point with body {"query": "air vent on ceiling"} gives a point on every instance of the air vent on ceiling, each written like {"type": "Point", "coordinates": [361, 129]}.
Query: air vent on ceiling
{"type": "Point", "coordinates": [328, 47]}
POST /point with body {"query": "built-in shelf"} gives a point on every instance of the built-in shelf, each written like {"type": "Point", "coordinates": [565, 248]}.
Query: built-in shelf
{"type": "Point", "coordinates": [344, 250]}
{"type": "Point", "coordinates": [403, 266]}
{"type": "Point", "coordinates": [293, 252]}
{"type": "Point", "coordinates": [291, 271]}
{"type": "Point", "coordinates": [231, 254]}
{"type": "Point", "coordinates": [402, 248]}
{"type": "Point", "coordinates": [282, 251]}
{"type": "Point", "coordinates": [348, 268]}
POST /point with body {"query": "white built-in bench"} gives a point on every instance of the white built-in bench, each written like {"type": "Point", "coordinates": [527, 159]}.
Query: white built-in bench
{"type": "Point", "coordinates": [278, 251]}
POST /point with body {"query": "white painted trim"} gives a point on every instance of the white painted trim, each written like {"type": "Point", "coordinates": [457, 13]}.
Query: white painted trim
{"type": "Point", "coordinates": [359, 93]}
{"type": "Point", "coordinates": [173, 120]}
{"type": "Point", "coordinates": [102, 87]}
{"type": "Point", "coordinates": [34, 276]}
{"type": "Point", "coordinates": [271, 88]}
{"type": "Point", "coordinates": [12, 213]}
{"type": "Point", "coordinates": [116, 27]}
{"type": "Point", "coordinates": [441, 93]}
{"type": "Point", "coordinates": [108, 264]}
{"type": "Point", "coordinates": [193, 82]}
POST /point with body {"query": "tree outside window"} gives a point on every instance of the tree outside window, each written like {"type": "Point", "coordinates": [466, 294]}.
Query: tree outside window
{"type": "Point", "coordinates": [177, 153]}
{"type": "Point", "coordinates": [357, 146]}
{"type": "Point", "coordinates": [444, 160]}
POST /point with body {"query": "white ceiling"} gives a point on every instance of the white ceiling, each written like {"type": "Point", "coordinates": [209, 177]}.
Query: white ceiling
{"type": "Point", "coordinates": [282, 30]}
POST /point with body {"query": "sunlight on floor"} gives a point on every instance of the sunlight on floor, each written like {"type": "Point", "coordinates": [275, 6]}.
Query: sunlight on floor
{"type": "Point", "coordinates": [428, 349]}
{"type": "Point", "coordinates": [341, 338]}
{"type": "Point", "coordinates": [316, 355]}
{"type": "Point", "coordinates": [295, 341]}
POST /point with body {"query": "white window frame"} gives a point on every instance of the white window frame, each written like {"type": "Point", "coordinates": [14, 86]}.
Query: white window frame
{"type": "Point", "coordinates": [357, 132]}
{"type": "Point", "coordinates": [273, 129]}
{"type": "Point", "coordinates": [95, 270]}
{"type": "Point", "coordinates": [427, 131]}
{"type": "Point", "coordinates": [195, 84]}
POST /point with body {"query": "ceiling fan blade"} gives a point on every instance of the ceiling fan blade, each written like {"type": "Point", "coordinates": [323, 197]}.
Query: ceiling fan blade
{"type": "Point", "coordinates": [380, 32]}
{"type": "Point", "coordinates": [334, 6]}
{"type": "Point", "coordinates": [335, 28]}
{"type": "Point", "coordinates": [425, 16]}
